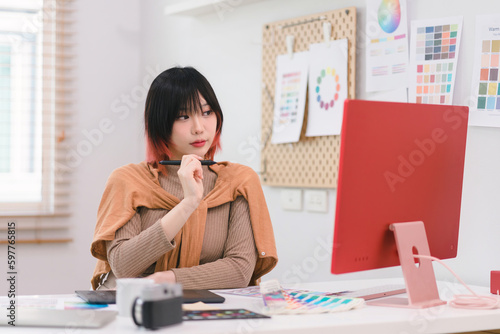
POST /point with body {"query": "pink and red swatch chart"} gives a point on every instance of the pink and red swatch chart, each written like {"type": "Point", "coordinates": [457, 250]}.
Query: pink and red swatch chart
{"type": "Point", "coordinates": [434, 54]}
{"type": "Point", "coordinates": [434, 83]}
{"type": "Point", "coordinates": [489, 81]}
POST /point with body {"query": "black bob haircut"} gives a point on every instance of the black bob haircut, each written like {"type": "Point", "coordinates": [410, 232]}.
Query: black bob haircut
{"type": "Point", "coordinates": [175, 92]}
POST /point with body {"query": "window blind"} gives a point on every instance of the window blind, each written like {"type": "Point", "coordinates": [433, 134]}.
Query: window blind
{"type": "Point", "coordinates": [36, 104]}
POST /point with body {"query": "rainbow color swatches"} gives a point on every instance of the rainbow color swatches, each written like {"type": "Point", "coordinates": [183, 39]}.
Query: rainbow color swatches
{"type": "Point", "coordinates": [489, 81]}
{"type": "Point", "coordinates": [328, 73]}
{"type": "Point", "coordinates": [289, 102]}
{"type": "Point", "coordinates": [387, 39]}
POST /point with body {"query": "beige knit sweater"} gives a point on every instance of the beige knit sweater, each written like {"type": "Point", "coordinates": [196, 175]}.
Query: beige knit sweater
{"type": "Point", "coordinates": [228, 253]}
{"type": "Point", "coordinates": [135, 186]}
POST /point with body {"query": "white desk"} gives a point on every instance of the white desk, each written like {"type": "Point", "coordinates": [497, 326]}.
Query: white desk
{"type": "Point", "coordinates": [369, 319]}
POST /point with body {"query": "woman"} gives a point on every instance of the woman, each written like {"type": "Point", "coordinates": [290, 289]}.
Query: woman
{"type": "Point", "coordinates": [206, 227]}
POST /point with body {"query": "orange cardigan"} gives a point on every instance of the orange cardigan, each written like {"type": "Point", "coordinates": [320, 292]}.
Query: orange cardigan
{"type": "Point", "coordinates": [136, 185]}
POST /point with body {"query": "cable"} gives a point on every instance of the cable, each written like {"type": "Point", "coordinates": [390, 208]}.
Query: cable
{"type": "Point", "coordinates": [473, 301]}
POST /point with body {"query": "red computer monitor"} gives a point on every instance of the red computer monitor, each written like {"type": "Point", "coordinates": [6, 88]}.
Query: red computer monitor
{"type": "Point", "coordinates": [399, 162]}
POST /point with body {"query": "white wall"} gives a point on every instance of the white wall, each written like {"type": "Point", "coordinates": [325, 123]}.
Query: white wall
{"type": "Point", "coordinates": [107, 65]}
{"type": "Point", "coordinates": [109, 87]}
{"type": "Point", "coordinates": [226, 47]}
{"type": "Point", "coordinates": [121, 45]}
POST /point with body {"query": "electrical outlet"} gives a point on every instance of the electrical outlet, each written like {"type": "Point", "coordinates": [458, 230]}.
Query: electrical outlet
{"type": "Point", "coordinates": [316, 200]}
{"type": "Point", "coordinates": [291, 199]}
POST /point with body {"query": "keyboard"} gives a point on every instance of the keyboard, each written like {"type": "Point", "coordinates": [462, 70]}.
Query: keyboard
{"type": "Point", "coordinates": [374, 292]}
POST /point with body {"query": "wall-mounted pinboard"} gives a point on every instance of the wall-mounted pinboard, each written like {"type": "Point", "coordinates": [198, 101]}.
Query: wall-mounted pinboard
{"type": "Point", "coordinates": [312, 161]}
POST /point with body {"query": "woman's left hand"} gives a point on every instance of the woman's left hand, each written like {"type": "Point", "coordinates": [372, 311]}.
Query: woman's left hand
{"type": "Point", "coordinates": [163, 277]}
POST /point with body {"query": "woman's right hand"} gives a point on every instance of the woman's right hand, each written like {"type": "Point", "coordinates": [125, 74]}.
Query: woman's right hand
{"type": "Point", "coordinates": [191, 177]}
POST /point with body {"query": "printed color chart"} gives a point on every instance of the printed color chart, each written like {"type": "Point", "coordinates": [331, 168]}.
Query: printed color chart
{"type": "Point", "coordinates": [434, 53]}
{"type": "Point", "coordinates": [290, 97]}
{"type": "Point", "coordinates": [386, 45]}
{"type": "Point", "coordinates": [289, 103]}
{"type": "Point", "coordinates": [437, 42]}
{"type": "Point", "coordinates": [484, 103]}
{"type": "Point", "coordinates": [489, 82]}
{"type": "Point", "coordinates": [327, 87]}
{"type": "Point", "coordinates": [434, 83]}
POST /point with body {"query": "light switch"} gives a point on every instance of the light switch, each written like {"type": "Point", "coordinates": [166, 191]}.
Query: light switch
{"type": "Point", "coordinates": [291, 199]}
{"type": "Point", "coordinates": [316, 200]}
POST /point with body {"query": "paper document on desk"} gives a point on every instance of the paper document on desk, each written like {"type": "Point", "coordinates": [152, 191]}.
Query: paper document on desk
{"type": "Point", "coordinates": [49, 311]}
{"type": "Point", "coordinates": [33, 302]}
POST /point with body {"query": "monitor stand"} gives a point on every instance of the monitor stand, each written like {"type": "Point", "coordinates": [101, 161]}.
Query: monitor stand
{"type": "Point", "coordinates": [420, 280]}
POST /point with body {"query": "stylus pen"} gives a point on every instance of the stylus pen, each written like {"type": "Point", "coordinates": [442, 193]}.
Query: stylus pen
{"type": "Point", "coordinates": [178, 162]}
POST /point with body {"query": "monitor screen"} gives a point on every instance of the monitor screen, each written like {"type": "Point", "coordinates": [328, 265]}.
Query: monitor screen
{"type": "Point", "coordinates": [399, 162]}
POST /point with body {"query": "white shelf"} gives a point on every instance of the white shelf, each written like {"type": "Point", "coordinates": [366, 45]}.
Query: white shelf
{"type": "Point", "coordinates": [200, 7]}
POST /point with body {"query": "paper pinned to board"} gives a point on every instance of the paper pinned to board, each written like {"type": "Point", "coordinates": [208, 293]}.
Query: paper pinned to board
{"type": "Point", "coordinates": [290, 97]}
{"type": "Point", "coordinates": [327, 87]}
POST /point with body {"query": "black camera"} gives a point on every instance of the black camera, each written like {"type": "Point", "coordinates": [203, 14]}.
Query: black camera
{"type": "Point", "coordinates": [158, 305]}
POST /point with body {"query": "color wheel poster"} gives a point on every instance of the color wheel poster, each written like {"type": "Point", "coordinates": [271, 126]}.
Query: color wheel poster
{"type": "Point", "coordinates": [327, 87]}
{"type": "Point", "coordinates": [290, 97]}
{"type": "Point", "coordinates": [386, 45]}
{"type": "Point", "coordinates": [433, 60]}
{"type": "Point", "coordinates": [485, 97]}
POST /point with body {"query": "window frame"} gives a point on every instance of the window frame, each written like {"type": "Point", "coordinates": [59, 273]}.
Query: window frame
{"type": "Point", "coordinates": [52, 110]}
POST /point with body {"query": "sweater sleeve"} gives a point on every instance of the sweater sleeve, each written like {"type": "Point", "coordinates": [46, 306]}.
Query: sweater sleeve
{"type": "Point", "coordinates": [133, 251]}
{"type": "Point", "coordinates": [235, 268]}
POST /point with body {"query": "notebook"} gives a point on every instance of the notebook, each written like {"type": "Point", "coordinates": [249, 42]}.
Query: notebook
{"type": "Point", "coordinates": [109, 296]}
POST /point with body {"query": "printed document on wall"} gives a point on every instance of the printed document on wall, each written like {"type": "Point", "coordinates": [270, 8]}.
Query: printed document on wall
{"type": "Point", "coordinates": [327, 87]}
{"type": "Point", "coordinates": [386, 45]}
{"type": "Point", "coordinates": [290, 97]}
{"type": "Point", "coordinates": [485, 102]}
{"type": "Point", "coordinates": [433, 59]}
